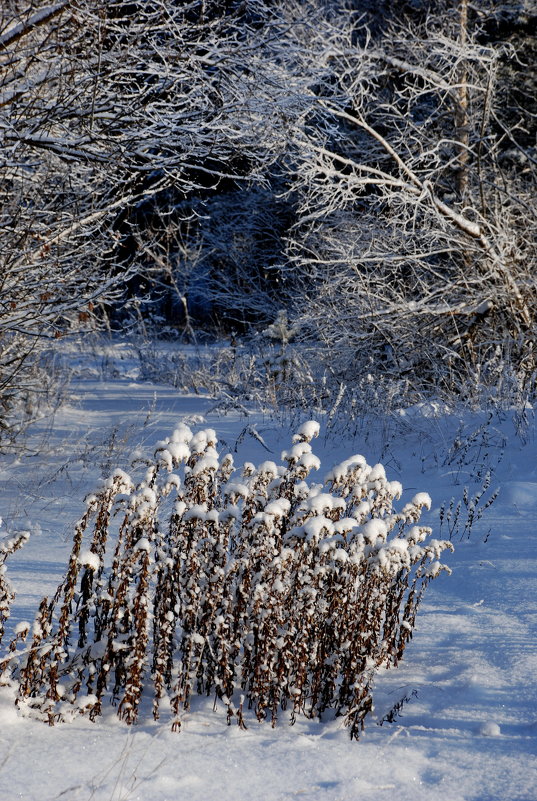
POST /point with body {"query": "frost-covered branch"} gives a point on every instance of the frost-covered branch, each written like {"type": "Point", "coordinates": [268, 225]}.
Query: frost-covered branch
{"type": "Point", "coordinates": [398, 159]}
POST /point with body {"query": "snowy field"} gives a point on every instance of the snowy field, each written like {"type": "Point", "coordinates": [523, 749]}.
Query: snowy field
{"type": "Point", "coordinates": [463, 702]}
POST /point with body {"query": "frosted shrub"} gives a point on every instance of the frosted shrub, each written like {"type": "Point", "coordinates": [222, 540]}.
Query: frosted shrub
{"type": "Point", "coordinates": [254, 586]}
{"type": "Point", "coordinates": [8, 545]}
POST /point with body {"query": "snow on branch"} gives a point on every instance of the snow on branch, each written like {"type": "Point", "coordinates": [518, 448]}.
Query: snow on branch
{"type": "Point", "coordinates": [16, 32]}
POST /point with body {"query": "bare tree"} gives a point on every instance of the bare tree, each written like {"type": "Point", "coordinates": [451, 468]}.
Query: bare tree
{"type": "Point", "coordinates": [104, 107]}
{"type": "Point", "coordinates": [416, 245]}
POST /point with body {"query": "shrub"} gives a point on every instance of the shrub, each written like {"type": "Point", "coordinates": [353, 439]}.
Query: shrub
{"type": "Point", "coordinates": [8, 546]}
{"type": "Point", "coordinates": [256, 587]}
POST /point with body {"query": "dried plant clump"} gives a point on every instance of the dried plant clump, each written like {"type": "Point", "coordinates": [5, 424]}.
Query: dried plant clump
{"type": "Point", "coordinates": [254, 586]}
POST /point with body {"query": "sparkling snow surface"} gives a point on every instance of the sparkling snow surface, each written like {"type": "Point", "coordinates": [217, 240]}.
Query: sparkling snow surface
{"type": "Point", "coordinates": [468, 727]}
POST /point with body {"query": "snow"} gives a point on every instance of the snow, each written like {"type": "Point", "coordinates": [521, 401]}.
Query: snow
{"type": "Point", "coordinates": [278, 508]}
{"type": "Point", "coordinates": [236, 488]}
{"type": "Point", "coordinates": [340, 471]}
{"type": "Point", "coordinates": [204, 464]}
{"type": "Point", "coordinates": [14, 32]}
{"type": "Point", "coordinates": [489, 729]}
{"type": "Point", "coordinates": [143, 544]}
{"type": "Point", "coordinates": [322, 502]}
{"type": "Point", "coordinates": [270, 468]}
{"type": "Point", "coordinates": [308, 430]}
{"type": "Point", "coordinates": [422, 499]}
{"type": "Point", "coordinates": [520, 495]}
{"type": "Point", "coordinates": [196, 512]}
{"type": "Point", "coordinates": [375, 529]}
{"type": "Point", "coordinates": [89, 559]}
{"type": "Point", "coordinates": [21, 627]}
{"type": "Point", "coordinates": [463, 702]}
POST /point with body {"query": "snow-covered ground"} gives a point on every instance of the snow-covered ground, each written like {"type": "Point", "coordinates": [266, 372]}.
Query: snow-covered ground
{"type": "Point", "coordinates": [463, 702]}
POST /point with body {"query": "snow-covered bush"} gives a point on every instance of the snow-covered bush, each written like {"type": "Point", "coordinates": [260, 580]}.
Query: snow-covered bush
{"type": "Point", "coordinates": [256, 586]}
{"type": "Point", "coordinates": [8, 545]}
